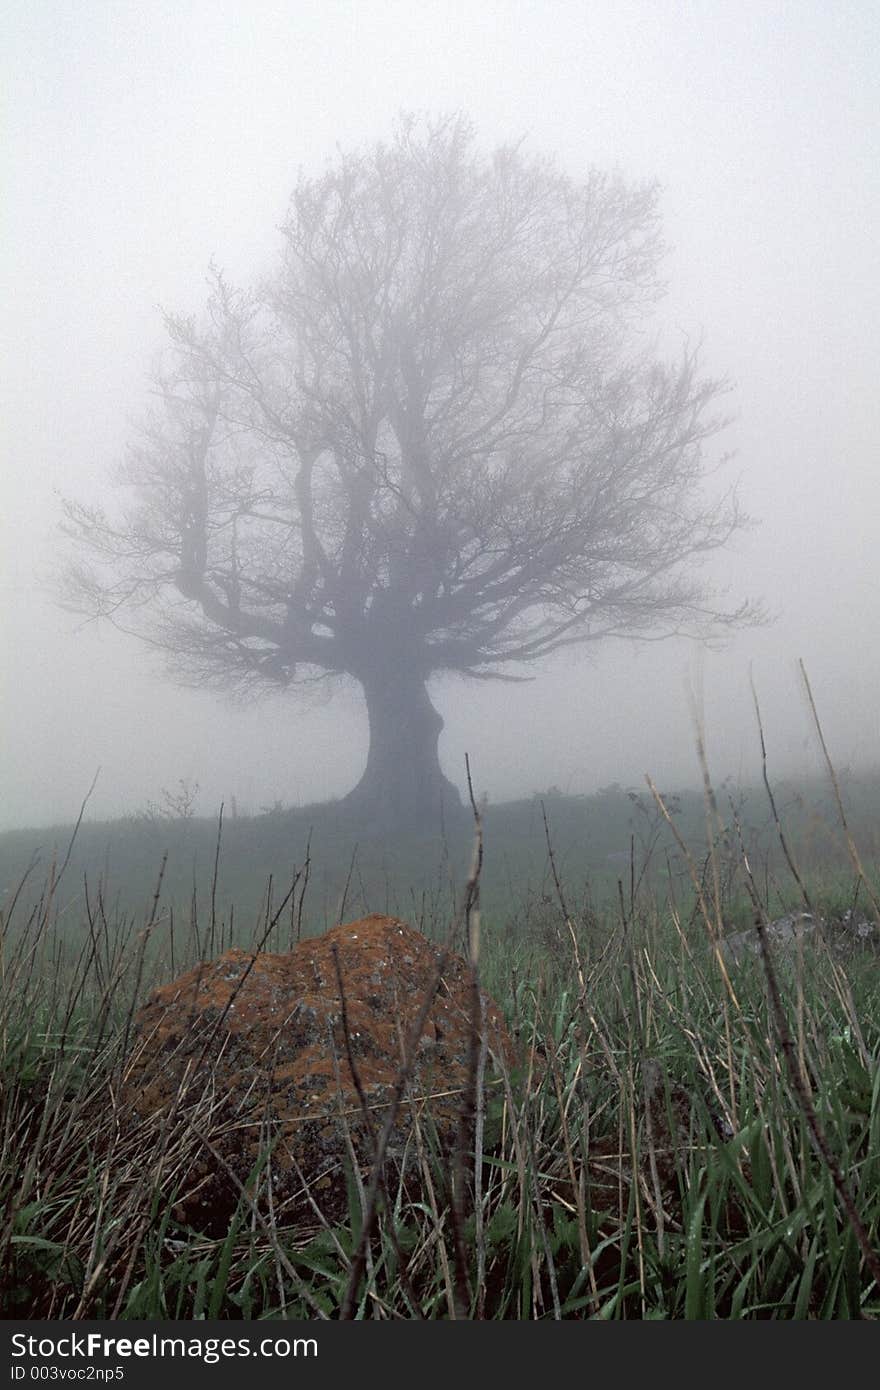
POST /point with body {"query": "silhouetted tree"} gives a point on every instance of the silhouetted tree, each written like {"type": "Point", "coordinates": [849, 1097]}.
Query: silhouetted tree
{"type": "Point", "coordinates": [435, 440]}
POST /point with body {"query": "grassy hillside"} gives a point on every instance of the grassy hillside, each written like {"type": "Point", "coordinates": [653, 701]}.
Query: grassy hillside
{"type": "Point", "coordinates": [615, 835]}
{"type": "Point", "coordinates": [675, 1140]}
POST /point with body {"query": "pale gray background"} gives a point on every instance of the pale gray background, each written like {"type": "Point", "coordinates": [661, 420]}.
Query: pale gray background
{"type": "Point", "coordinates": [143, 140]}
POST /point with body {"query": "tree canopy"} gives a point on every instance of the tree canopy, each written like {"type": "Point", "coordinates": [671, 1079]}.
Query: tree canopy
{"type": "Point", "coordinates": [436, 439]}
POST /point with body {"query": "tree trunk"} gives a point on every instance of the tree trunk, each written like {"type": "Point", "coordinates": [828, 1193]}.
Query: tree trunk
{"type": "Point", "coordinates": [403, 784]}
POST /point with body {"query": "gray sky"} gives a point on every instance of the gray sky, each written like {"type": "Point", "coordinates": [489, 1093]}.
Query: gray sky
{"type": "Point", "coordinates": [144, 140]}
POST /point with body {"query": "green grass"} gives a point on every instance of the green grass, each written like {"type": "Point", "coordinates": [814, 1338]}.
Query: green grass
{"type": "Point", "coordinates": [651, 1155]}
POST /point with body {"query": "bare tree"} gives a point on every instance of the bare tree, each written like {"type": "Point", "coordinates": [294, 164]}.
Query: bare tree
{"type": "Point", "coordinates": [436, 440]}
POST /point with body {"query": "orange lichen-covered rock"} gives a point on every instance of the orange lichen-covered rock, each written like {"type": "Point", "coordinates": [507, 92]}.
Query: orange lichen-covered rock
{"type": "Point", "coordinates": [243, 1067]}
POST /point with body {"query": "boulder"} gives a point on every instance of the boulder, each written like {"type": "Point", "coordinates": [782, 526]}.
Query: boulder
{"type": "Point", "coordinates": [243, 1069]}
{"type": "Point", "coordinates": [784, 931]}
{"type": "Point", "coordinates": [843, 935]}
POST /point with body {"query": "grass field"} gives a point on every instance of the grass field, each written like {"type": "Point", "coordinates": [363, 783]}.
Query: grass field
{"type": "Point", "coordinates": [676, 1140]}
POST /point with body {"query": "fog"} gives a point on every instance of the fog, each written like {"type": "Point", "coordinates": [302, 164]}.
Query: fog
{"type": "Point", "coordinates": [146, 140]}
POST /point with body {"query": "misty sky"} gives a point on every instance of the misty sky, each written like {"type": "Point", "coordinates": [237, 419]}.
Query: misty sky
{"type": "Point", "coordinates": [145, 140]}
